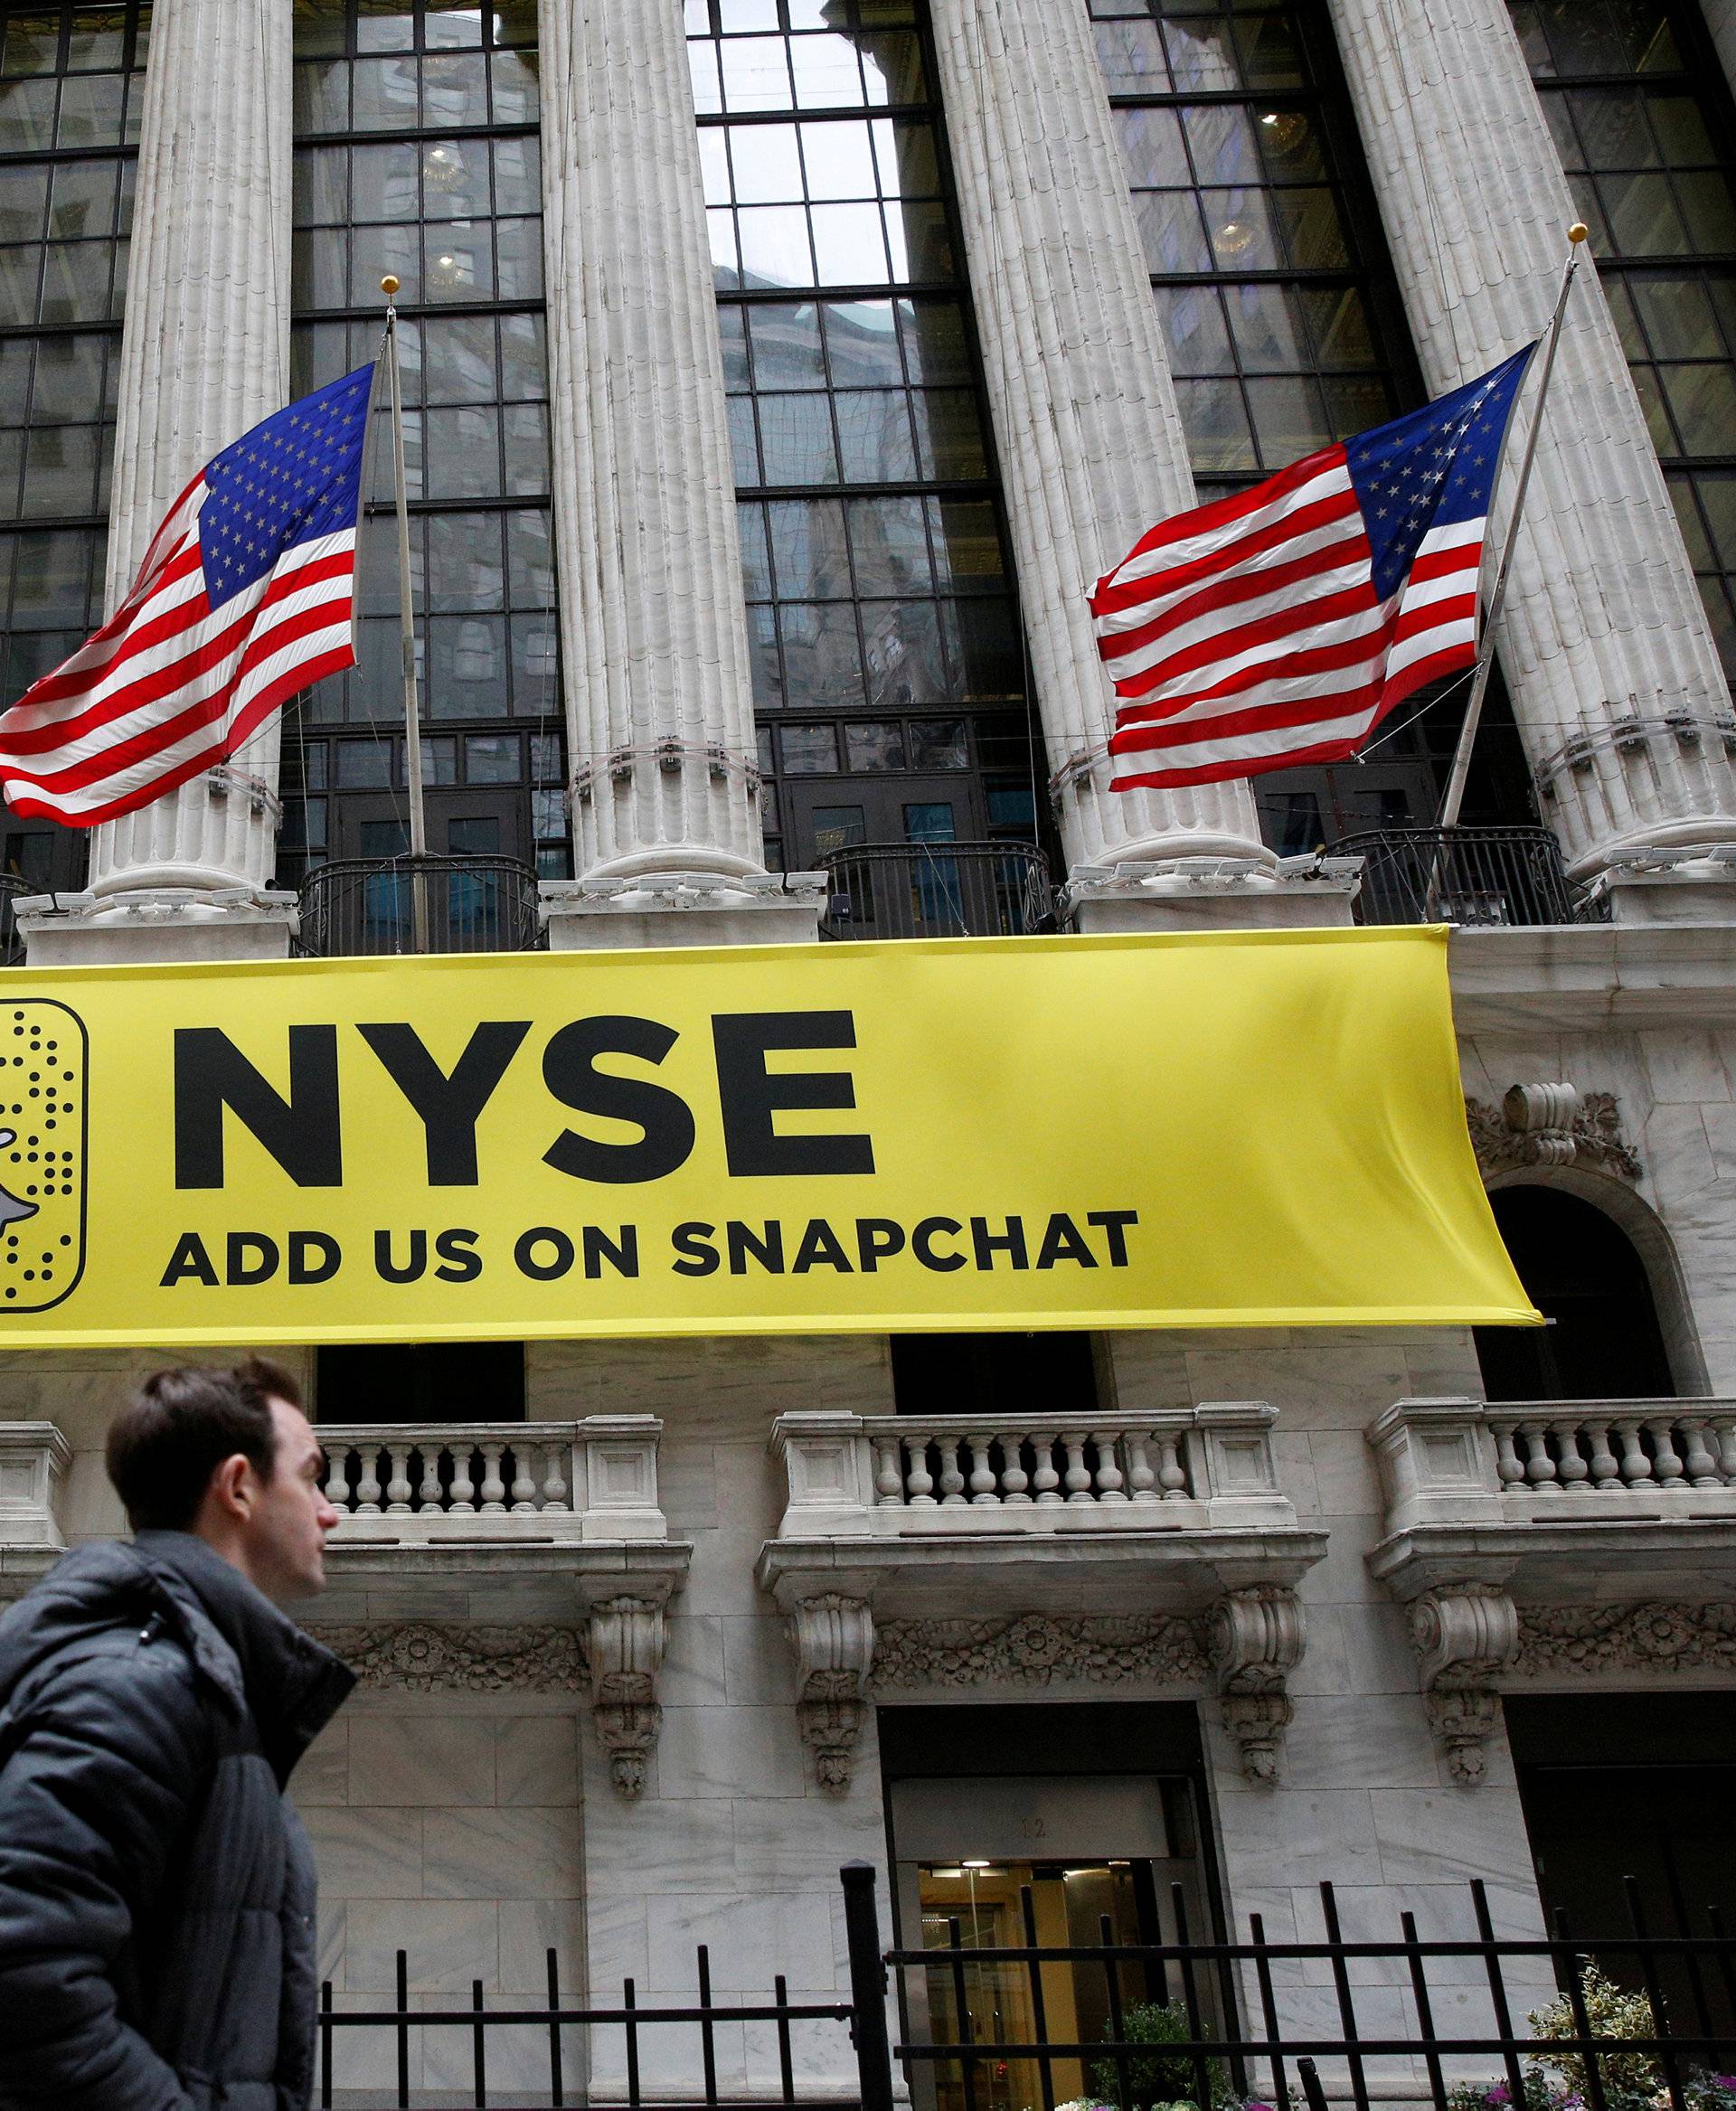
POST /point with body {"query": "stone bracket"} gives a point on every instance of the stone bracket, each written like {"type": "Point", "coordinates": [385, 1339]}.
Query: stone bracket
{"type": "Point", "coordinates": [833, 1638]}
{"type": "Point", "coordinates": [1257, 1635]}
{"type": "Point", "coordinates": [627, 1644]}
{"type": "Point", "coordinates": [1466, 1636]}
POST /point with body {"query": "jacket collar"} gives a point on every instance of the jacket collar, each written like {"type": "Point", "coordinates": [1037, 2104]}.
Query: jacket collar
{"type": "Point", "coordinates": [255, 1655]}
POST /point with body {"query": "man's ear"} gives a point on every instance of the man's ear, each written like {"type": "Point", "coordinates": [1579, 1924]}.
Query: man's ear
{"type": "Point", "coordinates": [233, 1487]}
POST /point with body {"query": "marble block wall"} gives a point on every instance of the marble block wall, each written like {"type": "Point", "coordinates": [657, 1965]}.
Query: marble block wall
{"type": "Point", "coordinates": [731, 1843]}
{"type": "Point", "coordinates": [448, 1826]}
{"type": "Point", "coordinates": [1676, 1092]}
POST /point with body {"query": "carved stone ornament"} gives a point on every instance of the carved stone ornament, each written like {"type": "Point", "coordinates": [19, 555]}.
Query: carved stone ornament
{"type": "Point", "coordinates": [427, 1659]}
{"type": "Point", "coordinates": [835, 1647]}
{"type": "Point", "coordinates": [1466, 1635]}
{"type": "Point", "coordinates": [1033, 1649]}
{"type": "Point", "coordinates": [620, 1663]}
{"type": "Point", "coordinates": [627, 1643]}
{"type": "Point", "coordinates": [1257, 1640]}
{"type": "Point", "coordinates": [1551, 1124]}
{"type": "Point", "coordinates": [1627, 1638]}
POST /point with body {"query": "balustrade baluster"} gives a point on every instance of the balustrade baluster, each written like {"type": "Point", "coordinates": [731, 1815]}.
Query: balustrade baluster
{"type": "Point", "coordinates": [1045, 1480]}
{"type": "Point", "coordinates": [919, 1481]}
{"type": "Point", "coordinates": [1507, 1462]}
{"type": "Point", "coordinates": [889, 1477]}
{"type": "Point", "coordinates": [1540, 1469]}
{"type": "Point", "coordinates": [367, 1489]}
{"type": "Point", "coordinates": [1666, 1465]}
{"type": "Point", "coordinates": [952, 1482]}
{"type": "Point", "coordinates": [524, 1480]}
{"type": "Point", "coordinates": [429, 1494]}
{"type": "Point", "coordinates": [1725, 1427]}
{"type": "Point", "coordinates": [337, 1479]}
{"type": "Point", "coordinates": [1142, 1475]}
{"type": "Point", "coordinates": [1172, 1476]}
{"type": "Point", "coordinates": [494, 1489]}
{"type": "Point", "coordinates": [464, 1488]}
{"type": "Point", "coordinates": [1575, 1473]}
{"type": "Point", "coordinates": [555, 1460]}
{"type": "Point", "coordinates": [1014, 1480]}
{"type": "Point", "coordinates": [1110, 1482]}
{"type": "Point", "coordinates": [1702, 1467]}
{"type": "Point", "coordinates": [1635, 1465]}
{"type": "Point", "coordinates": [982, 1474]}
{"type": "Point", "coordinates": [1078, 1475]}
{"type": "Point", "coordinates": [1605, 1471]}
{"type": "Point", "coordinates": [398, 1489]}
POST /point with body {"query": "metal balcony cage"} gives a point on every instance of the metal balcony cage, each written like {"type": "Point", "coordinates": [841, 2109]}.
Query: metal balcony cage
{"type": "Point", "coordinates": [419, 905]}
{"type": "Point", "coordinates": [937, 891]}
{"type": "Point", "coordinates": [1476, 877]}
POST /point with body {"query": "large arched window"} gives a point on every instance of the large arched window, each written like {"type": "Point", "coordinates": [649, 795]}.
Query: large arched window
{"type": "Point", "coordinates": [1584, 1272]}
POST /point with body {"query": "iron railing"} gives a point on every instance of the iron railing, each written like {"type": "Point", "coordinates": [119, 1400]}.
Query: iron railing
{"type": "Point", "coordinates": [1456, 2048]}
{"type": "Point", "coordinates": [1355, 2022]}
{"type": "Point", "coordinates": [419, 905]}
{"type": "Point", "coordinates": [937, 891]}
{"type": "Point", "coordinates": [1469, 876]}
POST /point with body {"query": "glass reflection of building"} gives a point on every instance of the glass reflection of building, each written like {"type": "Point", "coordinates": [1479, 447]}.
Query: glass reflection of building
{"type": "Point", "coordinates": [417, 130]}
{"type": "Point", "coordinates": [1639, 111]}
{"type": "Point", "coordinates": [888, 665]}
{"type": "Point", "coordinates": [72, 93]}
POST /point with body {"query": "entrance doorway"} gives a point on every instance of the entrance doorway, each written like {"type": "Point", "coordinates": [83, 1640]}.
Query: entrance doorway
{"type": "Point", "coordinates": [1054, 1862]}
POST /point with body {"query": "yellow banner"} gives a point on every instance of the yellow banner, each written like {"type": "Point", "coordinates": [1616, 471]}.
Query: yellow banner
{"type": "Point", "coordinates": [1254, 1129]}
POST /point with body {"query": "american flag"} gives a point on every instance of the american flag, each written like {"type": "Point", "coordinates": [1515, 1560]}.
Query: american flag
{"type": "Point", "coordinates": [245, 596]}
{"type": "Point", "coordinates": [1280, 625]}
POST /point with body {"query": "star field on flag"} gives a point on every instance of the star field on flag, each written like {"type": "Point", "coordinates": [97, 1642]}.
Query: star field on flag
{"type": "Point", "coordinates": [244, 598]}
{"type": "Point", "coordinates": [1280, 625]}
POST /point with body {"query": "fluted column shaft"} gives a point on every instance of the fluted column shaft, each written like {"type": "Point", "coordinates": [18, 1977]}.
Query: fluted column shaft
{"type": "Point", "coordinates": [1090, 441]}
{"type": "Point", "coordinates": [1603, 621]}
{"type": "Point", "coordinates": [204, 355]}
{"type": "Point", "coordinates": [654, 627]}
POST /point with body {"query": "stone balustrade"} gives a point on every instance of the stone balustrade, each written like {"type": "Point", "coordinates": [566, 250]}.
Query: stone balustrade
{"type": "Point", "coordinates": [899, 1474]}
{"type": "Point", "coordinates": [424, 1484]}
{"type": "Point", "coordinates": [1463, 1462]}
{"type": "Point", "coordinates": [33, 1461]}
{"type": "Point", "coordinates": [1498, 1511]}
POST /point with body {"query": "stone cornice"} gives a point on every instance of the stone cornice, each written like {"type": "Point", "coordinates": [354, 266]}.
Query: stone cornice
{"type": "Point", "coordinates": [1585, 976]}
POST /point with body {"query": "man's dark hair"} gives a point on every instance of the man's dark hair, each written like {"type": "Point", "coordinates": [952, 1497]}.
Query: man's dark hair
{"type": "Point", "coordinates": [179, 1427]}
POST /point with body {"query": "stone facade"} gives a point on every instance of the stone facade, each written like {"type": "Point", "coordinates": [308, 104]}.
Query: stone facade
{"type": "Point", "coordinates": [536, 1760]}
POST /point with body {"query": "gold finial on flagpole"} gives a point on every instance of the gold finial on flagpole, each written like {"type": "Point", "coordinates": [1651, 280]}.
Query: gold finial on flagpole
{"type": "Point", "coordinates": [1578, 233]}
{"type": "Point", "coordinates": [388, 287]}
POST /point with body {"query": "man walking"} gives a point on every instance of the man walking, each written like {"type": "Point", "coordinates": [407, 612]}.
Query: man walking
{"type": "Point", "coordinates": [156, 1890]}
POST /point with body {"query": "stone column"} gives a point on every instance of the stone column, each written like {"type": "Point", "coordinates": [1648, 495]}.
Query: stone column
{"type": "Point", "coordinates": [1089, 438]}
{"type": "Point", "coordinates": [1614, 680]}
{"type": "Point", "coordinates": [654, 628]}
{"type": "Point", "coordinates": [204, 355]}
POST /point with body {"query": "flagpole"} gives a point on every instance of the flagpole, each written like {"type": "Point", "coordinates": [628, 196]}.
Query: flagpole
{"type": "Point", "coordinates": [1454, 796]}
{"type": "Point", "coordinates": [407, 618]}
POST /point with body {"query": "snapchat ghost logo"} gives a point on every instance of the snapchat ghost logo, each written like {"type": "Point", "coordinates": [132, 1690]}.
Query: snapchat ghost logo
{"type": "Point", "coordinates": [42, 1064]}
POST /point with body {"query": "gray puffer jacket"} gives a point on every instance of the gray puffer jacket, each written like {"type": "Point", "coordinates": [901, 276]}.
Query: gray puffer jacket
{"type": "Point", "coordinates": [156, 1891]}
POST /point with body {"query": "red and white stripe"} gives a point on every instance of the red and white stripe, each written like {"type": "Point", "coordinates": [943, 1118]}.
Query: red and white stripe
{"type": "Point", "coordinates": [171, 686]}
{"type": "Point", "coordinates": [1246, 636]}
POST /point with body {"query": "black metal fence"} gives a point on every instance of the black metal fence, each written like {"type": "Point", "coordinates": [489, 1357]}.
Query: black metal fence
{"type": "Point", "coordinates": [1471, 876]}
{"type": "Point", "coordinates": [1618, 2021]}
{"type": "Point", "coordinates": [419, 905]}
{"type": "Point", "coordinates": [1625, 2020]}
{"type": "Point", "coordinates": [937, 891]}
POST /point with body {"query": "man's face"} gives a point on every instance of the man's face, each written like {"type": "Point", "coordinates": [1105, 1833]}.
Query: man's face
{"type": "Point", "coordinates": [284, 1537]}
